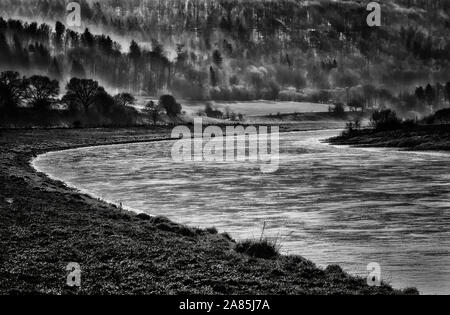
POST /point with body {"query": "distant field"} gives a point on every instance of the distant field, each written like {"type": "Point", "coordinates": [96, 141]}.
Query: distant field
{"type": "Point", "coordinates": [261, 108]}
{"type": "Point", "coordinates": [253, 108]}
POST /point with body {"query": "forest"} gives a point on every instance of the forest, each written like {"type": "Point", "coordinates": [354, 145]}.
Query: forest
{"type": "Point", "coordinates": [231, 50]}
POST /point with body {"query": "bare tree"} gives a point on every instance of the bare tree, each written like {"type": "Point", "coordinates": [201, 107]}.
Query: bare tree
{"type": "Point", "coordinates": [82, 92]}
{"type": "Point", "coordinates": [41, 92]}
{"type": "Point", "coordinates": [154, 110]}
{"type": "Point", "coordinates": [12, 89]}
{"type": "Point", "coordinates": [125, 99]}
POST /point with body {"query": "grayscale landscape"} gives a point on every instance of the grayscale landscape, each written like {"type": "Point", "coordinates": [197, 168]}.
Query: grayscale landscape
{"type": "Point", "coordinates": [121, 129]}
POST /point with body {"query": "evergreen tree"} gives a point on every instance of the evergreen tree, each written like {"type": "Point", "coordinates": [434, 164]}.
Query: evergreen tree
{"type": "Point", "coordinates": [212, 75]}
{"type": "Point", "coordinates": [54, 71]}
{"type": "Point", "coordinates": [77, 69]}
{"type": "Point", "coordinates": [217, 58]}
{"type": "Point", "coordinates": [447, 91]}
{"type": "Point", "coordinates": [4, 49]}
{"type": "Point", "coordinates": [59, 34]}
{"type": "Point", "coordinates": [430, 95]}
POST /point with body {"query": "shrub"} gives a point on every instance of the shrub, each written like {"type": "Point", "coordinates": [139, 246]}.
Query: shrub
{"type": "Point", "coordinates": [210, 112]}
{"type": "Point", "coordinates": [227, 236]}
{"type": "Point", "coordinates": [352, 126]}
{"type": "Point", "coordinates": [12, 90]}
{"type": "Point", "coordinates": [410, 291]}
{"type": "Point", "coordinates": [143, 216]}
{"type": "Point", "coordinates": [212, 230]}
{"type": "Point", "coordinates": [125, 99]}
{"type": "Point", "coordinates": [322, 96]}
{"type": "Point", "coordinates": [385, 120]}
{"type": "Point", "coordinates": [154, 111]}
{"type": "Point", "coordinates": [338, 109]}
{"type": "Point", "coordinates": [263, 248]}
{"type": "Point", "coordinates": [77, 124]}
{"type": "Point", "coordinates": [171, 106]}
{"type": "Point", "coordinates": [356, 104]}
{"type": "Point", "coordinates": [409, 123]}
{"type": "Point", "coordinates": [441, 116]}
{"type": "Point", "coordinates": [334, 269]}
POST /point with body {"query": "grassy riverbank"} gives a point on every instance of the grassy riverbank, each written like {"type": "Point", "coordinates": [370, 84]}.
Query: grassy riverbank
{"type": "Point", "coordinates": [45, 225]}
{"type": "Point", "coordinates": [419, 138]}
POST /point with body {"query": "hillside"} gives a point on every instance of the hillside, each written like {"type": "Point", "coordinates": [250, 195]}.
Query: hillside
{"type": "Point", "coordinates": [316, 51]}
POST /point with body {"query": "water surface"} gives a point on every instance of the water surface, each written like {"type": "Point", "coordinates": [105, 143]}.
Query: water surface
{"type": "Point", "coordinates": [333, 205]}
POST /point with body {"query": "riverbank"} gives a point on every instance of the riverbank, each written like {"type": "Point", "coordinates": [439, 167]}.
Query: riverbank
{"type": "Point", "coordinates": [45, 225]}
{"type": "Point", "coordinates": [416, 138]}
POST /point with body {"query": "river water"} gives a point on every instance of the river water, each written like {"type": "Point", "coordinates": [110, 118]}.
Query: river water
{"type": "Point", "coordinates": [330, 204]}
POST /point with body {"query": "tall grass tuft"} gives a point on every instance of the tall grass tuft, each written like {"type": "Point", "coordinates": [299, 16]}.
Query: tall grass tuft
{"type": "Point", "coordinates": [261, 248]}
{"type": "Point", "coordinates": [264, 248]}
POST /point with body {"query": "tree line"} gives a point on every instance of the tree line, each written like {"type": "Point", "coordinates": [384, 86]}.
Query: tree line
{"type": "Point", "coordinates": [433, 96]}
{"type": "Point", "coordinates": [35, 101]}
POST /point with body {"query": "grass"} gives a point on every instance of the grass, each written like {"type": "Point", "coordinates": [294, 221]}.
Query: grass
{"type": "Point", "coordinates": [264, 248]}
{"type": "Point", "coordinates": [418, 138]}
{"type": "Point", "coordinates": [45, 225]}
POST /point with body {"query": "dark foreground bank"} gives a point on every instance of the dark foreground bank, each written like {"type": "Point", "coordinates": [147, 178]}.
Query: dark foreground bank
{"type": "Point", "coordinates": [45, 225]}
{"type": "Point", "coordinates": [418, 138]}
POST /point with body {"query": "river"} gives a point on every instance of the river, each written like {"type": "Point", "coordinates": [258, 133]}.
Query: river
{"type": "Point", "coordinates": [333, 205]}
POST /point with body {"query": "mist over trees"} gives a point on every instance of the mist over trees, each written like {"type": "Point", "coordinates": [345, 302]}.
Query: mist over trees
{"type": "Point", "coordinates": [61, 54]}
{"type": "Point", "coordinates": [237, 50]}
